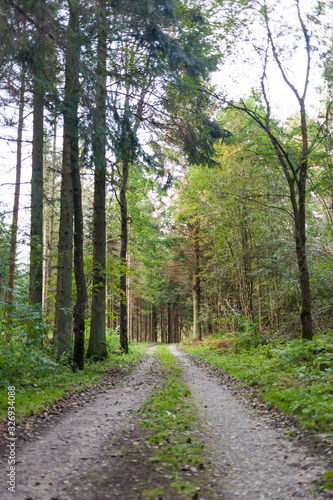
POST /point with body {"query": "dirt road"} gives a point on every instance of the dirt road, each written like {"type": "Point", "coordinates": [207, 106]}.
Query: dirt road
{"type": "Point", "coordinates": [255, 460]}
{"type": "Point", "coordinates": [83, 455]}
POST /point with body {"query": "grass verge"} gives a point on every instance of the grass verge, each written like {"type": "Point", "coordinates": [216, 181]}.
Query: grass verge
{"type": "Point", "coordinates": [40, 388]}
{"type": "Point", "coordinates": [169, 421]}
{"type": "Point", "coordinates": [296, 376]}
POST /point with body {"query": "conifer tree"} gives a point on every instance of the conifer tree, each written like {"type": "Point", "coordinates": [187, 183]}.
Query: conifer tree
{"type": "Point", "coordinates": [71, 206]}
{"type": "Point", "coordinates": [97, 340]}
{"type": "Point", "coordinates": [177, 61]}
{"type": "Point", "coordinates": [36, 227]}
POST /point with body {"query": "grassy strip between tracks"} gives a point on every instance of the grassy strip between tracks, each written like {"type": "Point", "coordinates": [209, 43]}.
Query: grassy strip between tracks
{"type": "Point", "coordinates": [170, 425]}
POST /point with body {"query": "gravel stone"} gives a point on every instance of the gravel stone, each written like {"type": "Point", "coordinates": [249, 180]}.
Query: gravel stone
{"type": "Point", "coordinates": [252, 459]}
{"type": "Point", "coordinates": [47, 466]}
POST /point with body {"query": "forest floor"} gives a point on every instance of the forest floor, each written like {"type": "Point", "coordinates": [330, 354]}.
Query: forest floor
{"type": "Point", "coordinates": [95, 447]}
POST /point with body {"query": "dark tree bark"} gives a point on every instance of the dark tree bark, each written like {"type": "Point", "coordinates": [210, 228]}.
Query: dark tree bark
{"type": "Point", "coordinates": [63, 312]}
{"type": "Point", "coordinates": [169, 324]}
{"type": "Point", "coordinates": [127, 154]}
{"type": "Point", "coordinates": [300, 239]}
{"type": "Point", "coordinates": [36, 229]}
{"type": "Point", "coordinates": [123, 251]}
{"type": "Point", "coordinates": [154, 324]}
{"type": "Point", "coordinates": [80, 281]}
{"type": "Point", "coordinates": [196, 289]}
{"type": "Point", "coordinates": [13, 240]}
{"type": "Point", "coordinates": [161, 323]}
{"type": "Point", "coordinates": [81, 289]}
{"type": "Point", "coordinates": [97, 341]}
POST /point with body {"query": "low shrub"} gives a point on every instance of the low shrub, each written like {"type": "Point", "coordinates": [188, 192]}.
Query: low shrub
{"type": "Point", "coordinates": [22, 364]}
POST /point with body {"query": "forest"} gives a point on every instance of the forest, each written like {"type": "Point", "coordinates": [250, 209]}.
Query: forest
{"type": "Point", "coordinates": [160, 207]}
{"type": "Point", "coordinates": [167, 177]}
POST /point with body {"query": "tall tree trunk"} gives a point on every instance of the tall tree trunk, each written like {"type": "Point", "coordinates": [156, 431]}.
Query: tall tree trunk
{"type": "Point", "coordinates": [63, 313]}
{"type": "Point", "coordinates": [81, 289]}
{"type": "Point", "coordinates": [169, 324]}
{"type": "Point", "coordinates": [13, 239]}
{"type": "Point", "coordinates": [97, 341]}
{"type": "Point", "coordinates": [154, 324]}
{"type": "Point", "coordinates": [37, 191]}
{"type": "Point", "coordinates": [300, 230]}
{"type": "Point", "coordinates": [300, 237]}
{"type": "Point", "coordinates": [162, 329]}
{"type": "Point", "coordinates": [196, 289]}
{"type": "Point", "coordinates": [123, 251]}
{"type": "Point", "coordinates": [51, 221]}
{"type": "Point", "coordinates": [126, 154]}
{"type": "Point", "coordinates": [129, 300]}
{"type": "Point", "coordinates": [63, 310]}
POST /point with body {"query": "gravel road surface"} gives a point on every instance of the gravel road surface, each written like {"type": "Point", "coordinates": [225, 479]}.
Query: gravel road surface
{"type": "Point", "coordinates": [83, 453]}
{"type": "Point", "coordinates": [254, 460]}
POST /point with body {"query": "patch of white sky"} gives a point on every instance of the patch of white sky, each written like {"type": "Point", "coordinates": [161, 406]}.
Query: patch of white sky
{"type": "Point", "coordinates": [242, 68]}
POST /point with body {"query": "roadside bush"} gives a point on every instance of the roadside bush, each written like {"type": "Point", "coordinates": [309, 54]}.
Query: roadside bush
{"type": "Point", "coordinates": [112, 340]}
{"type": "Point", "coordinates": [22, 365]}
{"type": "Point", "coordinates": [24, 323]}
{"type": "Point", "coordinates": [318, 353]}
{"type": "Point", "coordinates": [296, 376]}
{"type": "Point", "coordinates": [248, 342]}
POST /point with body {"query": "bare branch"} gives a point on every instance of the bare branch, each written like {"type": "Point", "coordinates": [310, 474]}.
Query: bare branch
{"type": "Point", "coordinates": [9, 139]}
{"type": "Point", "coordinates": [276, 56]}
{"type": "Point", "coordinates": [308, 49]}
{"type": "Point", "coordinates": [29, 18]}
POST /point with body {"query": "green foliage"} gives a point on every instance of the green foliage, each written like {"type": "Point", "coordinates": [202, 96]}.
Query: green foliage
{"type": "Point", "coordinates": [4, 249]}
{"type": "Point", "coordinates": [327, 481]}
{"type": "Point", "coordinates": [318, 354]}
{"type": "Point", "coordinates": [295, 376]}
{"type": "Point", "coordinates": [40, 380]}
{"type": "Point", "coordinates": [248, 266]}
{"type": "Point", "coordinates": [24, 365]}
{"type": "Point", "coordinates": [23, 322]}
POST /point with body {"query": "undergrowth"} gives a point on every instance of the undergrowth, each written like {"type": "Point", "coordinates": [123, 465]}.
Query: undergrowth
{"type": "Point", "coordinates": [295, 376]}
{"type": "Point", "coordinates": [40, 379]}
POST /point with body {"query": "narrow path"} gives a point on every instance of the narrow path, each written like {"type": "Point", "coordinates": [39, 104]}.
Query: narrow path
{"type": "Point", "coordinates": [252, 459]}
{"type": "Point", "coordinates": [47, 466]}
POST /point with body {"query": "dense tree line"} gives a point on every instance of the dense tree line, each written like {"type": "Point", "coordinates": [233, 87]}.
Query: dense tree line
{"type": "Point", "coordinates": [102, 70]}
{"type": "Point", "coordinates": [170, 209]}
